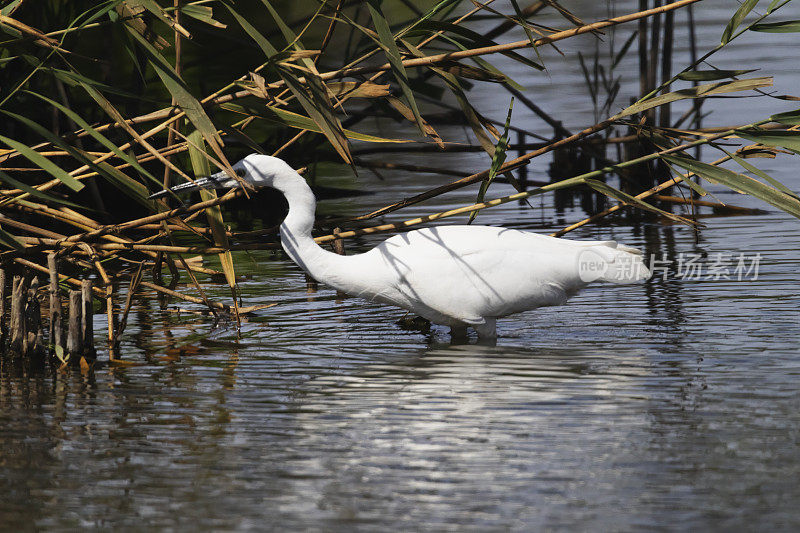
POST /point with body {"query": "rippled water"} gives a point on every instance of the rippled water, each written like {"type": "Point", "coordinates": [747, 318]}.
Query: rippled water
{"type": "Point", "coordinates": [667, 405]}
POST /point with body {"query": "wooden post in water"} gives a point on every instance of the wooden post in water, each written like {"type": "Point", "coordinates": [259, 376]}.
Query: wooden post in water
{"type": "Point", "coordinates": [56, 333]}
{"type": "Point", "coordinates": [74, 331]}
{"type": "Point", "coordinates": [18, 315]}
{"type": "Point", "coordinates": [87, 318]}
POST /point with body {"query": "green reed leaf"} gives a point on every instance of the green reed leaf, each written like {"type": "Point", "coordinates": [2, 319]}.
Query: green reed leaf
{"type": "Point", "coordinates": [739, 183]}
{"type": "Point", "coordinates": [42, 162]}
{"type": "Point", "coordinates": [497, 161]}
{"type": "Point", "coordinates": [746, 7]}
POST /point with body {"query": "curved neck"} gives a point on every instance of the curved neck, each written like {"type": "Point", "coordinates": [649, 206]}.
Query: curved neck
{"type": "Point", "coordinates": [295, 231]}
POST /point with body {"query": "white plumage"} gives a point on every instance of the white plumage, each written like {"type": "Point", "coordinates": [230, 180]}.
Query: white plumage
{"type": "Point", "coordinates": [452, 275]}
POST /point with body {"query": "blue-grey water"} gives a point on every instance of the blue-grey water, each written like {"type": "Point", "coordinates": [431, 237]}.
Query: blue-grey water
{"type": "Point", "coordinates": [667, 405]}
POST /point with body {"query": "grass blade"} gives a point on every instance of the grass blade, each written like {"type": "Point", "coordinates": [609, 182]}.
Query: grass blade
{"type": "Point", "coordinates": [200, 166]}
{"type": "Point", "coordinates": [9, 241]}
{"type": "Point", "coordinates": [626, 198]}
{"type": "Point", "coordinates": [760, 173]}
{"type": "Point", "coordinates": [317, 105]}
{"type": "Point", "coordinates": [13, 182]}
{"type": "Point", "coordinates": [393, 56]}
{"type": "Point", "coordinates": [184, 99]}
{"type": "Point", "coordinates": [497, 161]}
{"type": "Point", "coordinates": [99, 137]}
{"type": "Point", "coordinates": [302, 122]}
{"type": "Point", "coordinates": [785, 26]}
{"type": "Point", "coordinates": [739, 183]}
{"type": "Point", "coordinates": [42, 162]}
{"type": "Point", "coordinates": [786, 139]}
{"type": "Point", "coordinates": [746, 7]}
{"type": "Point", "coordinates": [701, 91]}
{"type": "Point", "coordinates": [710, 75]}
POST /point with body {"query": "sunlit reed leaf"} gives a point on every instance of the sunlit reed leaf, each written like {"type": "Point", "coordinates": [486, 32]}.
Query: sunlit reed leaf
{"type": "Point", "coordinates": [760, 173]}
{"type": "Point", "coordinates": [203, 14]}
{"type": "Point", "coordinates": [201, 167]}
{"type": "Point", "coordinates": [184, 99]}
{"type": "Point", "coordinates": [99, 137]}
{"type": "Point", "coordinates": [159, 13]}
{"type": "Point", "coordinates": [404, 110]}
{"type": "Point", "coordinates": [42, 162]}
{"type": "Point", "coordinates": [131, 13]}
{"type": "Point", "coordinates": [785, 26]}
{"type": "Point", "coordinates": [497, 161]}
{"type": "Point", "coordinates": [9, 8]}
{"type": "Point", "coordinates": [709, 75]}
{"type": "Point", "coordinates": [295, 120]}
{"type": "Point", "coordinates": [473, 118]}
{"type": "Point", "coordinates": [626, 198]}
{"type": "Point", "coordinates": [489, 72]}
{"type": "Point", "coordinates": [738, 182]}
{"type": "Point", "coordinates": [791, 118]}
{"type": "Point", "coordinates": [15, 183]}
{"type": "Point", "coordinates": [746, 7]}
{"type": "Point", "coordinates": [700, 91]}
{"type": "Point", "coordinates": [354, 89]}
{"type": "Point", "coordinates": [317, 108]}
{"type": "Point", "coordinates": [393, 56]}
{"type": "Point", "coordinates": [786, 139]}
{"type": "Point", "coordinates": [112, 112]}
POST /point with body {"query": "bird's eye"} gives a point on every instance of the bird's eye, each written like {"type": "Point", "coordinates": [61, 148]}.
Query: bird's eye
{"type": "Point", "coordinates": [240, 172]}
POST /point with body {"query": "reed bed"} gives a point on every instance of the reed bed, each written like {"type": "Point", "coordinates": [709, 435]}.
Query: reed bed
{"type": "Point", "coordinates": [100, 106]}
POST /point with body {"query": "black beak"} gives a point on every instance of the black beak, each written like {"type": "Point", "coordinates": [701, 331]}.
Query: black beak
{"type": "Point", "coordinates": [207, 182]}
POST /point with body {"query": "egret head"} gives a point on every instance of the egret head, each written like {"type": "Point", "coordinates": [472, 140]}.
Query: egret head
{"type": "Point", "coordinates": [256, 169]}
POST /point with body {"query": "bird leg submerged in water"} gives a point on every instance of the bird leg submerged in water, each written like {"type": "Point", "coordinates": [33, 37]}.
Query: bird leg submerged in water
{"type": "Point", "coordinates": [457, 276]}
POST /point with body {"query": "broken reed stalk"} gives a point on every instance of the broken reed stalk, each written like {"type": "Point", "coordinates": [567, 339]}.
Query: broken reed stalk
{"type": "Point", "coordinates": [3, 330]}
{"type": "Point", "coordinates": [100, 294]}
{"type": "Point", "coordinates": [82, 222]}
{"type": "Point", "coordinates": [74, 337]}
{"type": "Point", "coordinates": [33, 321]}
{"type": "Point", "coordinates": [56, 335]}
{"type": "Point", "coordinates": [17, 315]}
{"type": "Point", "coordinates": [87, 318]}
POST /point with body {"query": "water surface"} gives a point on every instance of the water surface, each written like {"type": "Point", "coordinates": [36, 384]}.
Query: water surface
{"type": "Point", "coordinates": [667, 405]}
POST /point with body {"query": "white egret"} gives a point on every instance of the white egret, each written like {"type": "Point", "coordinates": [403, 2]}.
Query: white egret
{"type": "Point", "coordinates": [456, 276]}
